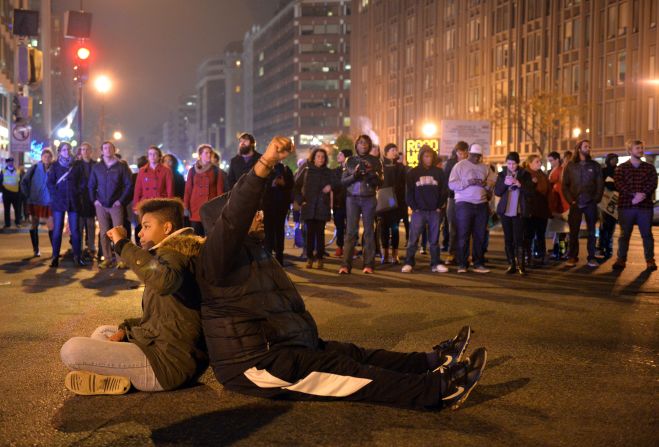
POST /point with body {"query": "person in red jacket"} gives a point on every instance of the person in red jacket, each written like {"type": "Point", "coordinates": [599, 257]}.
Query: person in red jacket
{"type": "Point", "coordinates": [205, 181]}
{"type": "Point", "coordinates": [154, 180]}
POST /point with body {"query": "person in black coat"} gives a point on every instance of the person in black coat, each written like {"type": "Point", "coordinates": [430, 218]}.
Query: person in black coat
{"type": "Point", "coordinates": [276, 203]}
{"type": "Point", "coordinates": [172, 163]}
{"type": "Point", "coordinates": [339, 202]}
{"type": "Point", "coordinates": [394, 176]}
{"type": "Point", "coordinates": [314, 183]}
{"type": "Point", "coordinates": [245, 160]}
{"type": "Point", "coordinates": [66, 185]}
{"type": "Point", "coordinates": [87, 214]}
{"type": "Point", "coordinates": [515, 187]}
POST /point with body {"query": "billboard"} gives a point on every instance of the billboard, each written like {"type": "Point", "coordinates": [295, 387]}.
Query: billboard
{"type": "Point", "coordinates": [412, 147]}
{"type": "Point", "coordinates": [471, 131]}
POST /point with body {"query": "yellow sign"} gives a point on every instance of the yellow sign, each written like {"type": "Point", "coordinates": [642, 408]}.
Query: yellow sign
{"type": "Point", "coordinates": [412, 148]}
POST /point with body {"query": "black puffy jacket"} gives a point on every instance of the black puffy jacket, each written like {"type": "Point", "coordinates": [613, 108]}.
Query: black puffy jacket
{"type": "Point", "coordinates": [249, 305]}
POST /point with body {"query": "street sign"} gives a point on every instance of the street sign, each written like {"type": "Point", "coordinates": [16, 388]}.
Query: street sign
{"type": "Point", "coordinates": [20, 138]}
{"type": "Point", "coordinates": [412, 147]}
{"type": "Point", "coordinates": [471, 131]}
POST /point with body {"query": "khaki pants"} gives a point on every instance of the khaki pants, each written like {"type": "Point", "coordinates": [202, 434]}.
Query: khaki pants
{"type": "Point", "coordinates": [105, 215]}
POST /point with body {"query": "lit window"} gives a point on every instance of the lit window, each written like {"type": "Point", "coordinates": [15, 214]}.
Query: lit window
{"type": "Point", "coordinates": [237, 89]}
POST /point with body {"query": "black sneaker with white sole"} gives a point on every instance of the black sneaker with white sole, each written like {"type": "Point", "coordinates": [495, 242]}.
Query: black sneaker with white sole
{"type": "Point", "coordinates": [462, 378]}
{"type": "Point", "coordinates": [451, 351]}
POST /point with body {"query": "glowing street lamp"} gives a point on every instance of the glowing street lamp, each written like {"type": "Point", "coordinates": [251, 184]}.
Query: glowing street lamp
{"type": "Point", "coordinates": [576, 132]}
{"type": "Point", "coordinates": [103, 84]}
{"type": "Point", "coordinates": [117, 135]}
{"type": "Point", "coordinates": [429, 130]}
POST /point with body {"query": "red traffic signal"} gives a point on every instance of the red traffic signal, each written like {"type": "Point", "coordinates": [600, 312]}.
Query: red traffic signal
{"type": "Point", "coordinates": [83, 53]}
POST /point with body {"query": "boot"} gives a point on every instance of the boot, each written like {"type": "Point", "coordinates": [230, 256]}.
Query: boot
{"type": "Point", "coordinates": [34, 237]}
{"type": "Point", "coordinates": [79, 262]}
{"type": "Point", "coordinates": [512, 265]}
{"type": "Point", "coordinates": [310, 263]}
{"type": "Point", "coordinates": [394, 256]}
{"type": "Point", "coordinates": [385, 257]}
{"type": "Point", "coordinates": [521, 260]}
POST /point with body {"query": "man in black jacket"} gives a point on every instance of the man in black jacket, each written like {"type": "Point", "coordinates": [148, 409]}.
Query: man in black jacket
{"type": "Point", "coordinates": [262, 341]}
{"type": "Point", "coordinates": [276, 203]}
{"type": "Point", "coordinates": [244, 160]}
{"type": "Point", "coordinates": [583, 187]}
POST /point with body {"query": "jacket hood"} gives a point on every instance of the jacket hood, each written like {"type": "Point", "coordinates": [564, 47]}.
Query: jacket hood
{"type": "Point", "coordinates": [183, 241]}
{"type": "Point", "coordinates": [434, 156]}
{"type": "Point", "coordinates": [200, 169]}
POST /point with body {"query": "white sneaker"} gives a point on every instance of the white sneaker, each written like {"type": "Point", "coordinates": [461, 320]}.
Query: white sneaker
{"type": "Point", "coordinates": [481, 269]}
{"type": "Point", "coordinates": [462, 269]}
{"type": "Point", "coordinates": [439, 268]}
{"type": "Point", "coordinates": [407, 268]}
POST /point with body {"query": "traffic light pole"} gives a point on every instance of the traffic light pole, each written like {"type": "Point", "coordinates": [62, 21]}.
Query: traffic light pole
{"type": "Point", "coordinates": [80, 112]}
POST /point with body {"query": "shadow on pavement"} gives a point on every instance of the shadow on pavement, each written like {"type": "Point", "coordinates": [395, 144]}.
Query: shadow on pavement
{"type": "Point", "coordinates": [108, 282]}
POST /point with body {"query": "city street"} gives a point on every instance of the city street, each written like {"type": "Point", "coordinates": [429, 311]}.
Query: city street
{"type": "Point", "coordinates": [572, 358]}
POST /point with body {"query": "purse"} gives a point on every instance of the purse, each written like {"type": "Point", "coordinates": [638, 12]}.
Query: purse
{"type": "Point", "coordinates": [386, 200]}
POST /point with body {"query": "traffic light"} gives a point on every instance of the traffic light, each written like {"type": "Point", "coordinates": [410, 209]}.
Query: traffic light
{"type": "Point", "coordinates": [81, 64]}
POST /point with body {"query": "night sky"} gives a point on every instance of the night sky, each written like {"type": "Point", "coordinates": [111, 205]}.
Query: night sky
{"type": "Point", "coordinates": [152, 48]}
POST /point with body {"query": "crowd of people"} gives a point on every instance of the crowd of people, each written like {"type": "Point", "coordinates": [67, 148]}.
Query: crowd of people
{"type": "Point", "coordinates": [453, 203]}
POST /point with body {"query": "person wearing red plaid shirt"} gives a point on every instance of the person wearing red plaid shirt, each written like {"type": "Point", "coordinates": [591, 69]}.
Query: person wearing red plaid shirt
{"type": "Point", "coordinates": [636, 182]}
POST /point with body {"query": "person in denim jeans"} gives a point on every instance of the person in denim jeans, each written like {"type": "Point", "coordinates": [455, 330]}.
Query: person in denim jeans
{"type": "Point", "coordinates": [636, 182]}
{"type": "Point", "coordinates": [339, 202]}
{"type": "Point", "coordinates": [472, 182]}
{"type": "Point", "coordinates": [583, 187]}
{"type": "Point", "coordinates": [361, 177]}
{"type": "Point", "coordinates": [426, 195]}
{"type": "Point", "coordinates": [459, 153]}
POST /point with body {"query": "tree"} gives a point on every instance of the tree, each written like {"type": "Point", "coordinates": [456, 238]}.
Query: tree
{"type": "Point", "coordinates": [539, 117]}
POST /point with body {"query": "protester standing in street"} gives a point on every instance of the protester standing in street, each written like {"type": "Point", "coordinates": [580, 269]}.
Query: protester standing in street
{"type": "Point", "coordinates": [607, 221]}
{"type": "Point", "coordinates": [87, 213]}
{"type": "Point", "coordinates": [172, 163]}
{"type": "Point", "coordinates": [636, 181]}
{"type": "Point", "coordinates": [460, 152]}
{"type": "Point", "coordinates": [276, 204]}
{"type": "Point", "coordinates": [558, 207]}
{"type": "Point", "coordinates": [154, 181]}
{"type": "Point", "coordinates": [110, 189]}
{"type": "Point", "coordinates": [10, 180]}
{"type": "Point", "coordinates": [515, 188]}
{"type": "Point", "coordinates": [583, 186]}
{"type": "Point", "coordinates": [361, 177]}
{"type": "Point", "coordinates": [35, 188]}
{"type": "Point", "coordinates": [339, 202]}
{"type": "Point", "coordinates": [66, 185]}
{"type": "Point", "coordinates": [244, 160]}
{"type": "Point", "coordinates": [472, 182]}
{"type": "Point", "coordinates": [389, 221]}
{"type": "Point", "coordinates": [535, 223]}
{"type": "Point", "coordinates": [314, 184]}
{"type": "Point", "coordinates": [205, 181]}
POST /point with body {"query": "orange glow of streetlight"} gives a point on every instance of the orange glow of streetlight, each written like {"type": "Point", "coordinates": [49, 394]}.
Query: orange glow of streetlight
{"type": "Point", "coordinates": [117, 135]}
{"type": "Point", "coordinates": [103, 84]}
{"type": "Point", "coordinates": [429, 129]}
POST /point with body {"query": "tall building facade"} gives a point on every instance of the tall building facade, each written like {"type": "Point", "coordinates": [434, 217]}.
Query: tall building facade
{"type": "Point", "coordinates": [298, 82]}
{"type": "Point", "coordinates": [235, 111]}
{"type": "Point", "coordinates": [585, 67]}
{"type": "Point", "coordinates": [179, 129]}
{"type": "Point", "coordinates": [8, 86]}
{"type": "Point", "coordinates": [211, 103]}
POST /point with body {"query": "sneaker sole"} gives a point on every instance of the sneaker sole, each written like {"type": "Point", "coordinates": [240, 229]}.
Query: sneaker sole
{"type": "Point", "coordinates": [464, 397]}
{"type": "Point", "coordinates": [86, 383]}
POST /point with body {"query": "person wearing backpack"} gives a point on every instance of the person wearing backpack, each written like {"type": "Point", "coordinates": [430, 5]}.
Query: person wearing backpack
{"type": "Point", "coordinates": [205, 181]}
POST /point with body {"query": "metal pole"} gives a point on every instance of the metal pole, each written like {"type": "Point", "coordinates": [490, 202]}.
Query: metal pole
{"type": "Point", "coordinates": [80, 133]}
{"type": "Point", "coordinates": [102, 120]}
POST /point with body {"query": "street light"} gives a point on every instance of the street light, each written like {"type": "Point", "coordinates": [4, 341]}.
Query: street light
{"type": "Point", "coordinates": [117, 135]}
{"type": "Point", "coordinates": [576, 132]}
{"type": "Point", "coordinates": [103, 84]}
{"type": "Point", "coordinates": [429, 129]}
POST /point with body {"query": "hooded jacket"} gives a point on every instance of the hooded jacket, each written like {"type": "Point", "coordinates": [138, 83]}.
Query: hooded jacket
{"type": "Point", "coordinates": [426, 188]}
{"type": "Point", "coordinates": [169, 332]}
{"type": "Point", "coordinates": [249, 304]}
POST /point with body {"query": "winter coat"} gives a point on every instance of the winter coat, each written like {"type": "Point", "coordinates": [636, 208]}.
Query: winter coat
{"type": "Point", "coordinates": [394, 175]}
{"type": "Point", "coordinates": [539, 206]}
{"type": "Point", "coordinates": [34, 185]}
{"type": "Point", "coordinates": [110, 183]}
{"type": "Point", "coordinates": [448, 167]}
{"type": "Point", "coordinates": [87, 208]}
{"type": "Point", "coordinates": [203, 184]}
{"type": "Point", "coordinates": [526, 192]}
{"type": "Point", "coordinates": [583, 183]}
{"type": "Point", "coordinates": [277, 199]}
{"type": "Point", "coordinates": [309, 183]}
{"type": "Point", "coordinates": [557, 202]}
{"type": "Point", "coordinates": [153, 183]}
{"type": "Point", "coordinates": [66, 185]}
{"type": "Point", "coordinates": [249, 304]}
{"type": "Point", "coordinates": [339, 192]}
{"type": "Point", "coordinates": [179, 185]}
{"type": "Point", "coordinates": [362, 175]}
{"type": "Point", "coordinates": [238, 166]}
{"type": "Point", "coordinates": [169, 331]}
{"type": "Point", "coordinates": [425, 186]}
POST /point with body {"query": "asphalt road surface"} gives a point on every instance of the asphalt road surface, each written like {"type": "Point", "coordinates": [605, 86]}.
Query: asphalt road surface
{"type": "Point", "coordinates": [573, 358]}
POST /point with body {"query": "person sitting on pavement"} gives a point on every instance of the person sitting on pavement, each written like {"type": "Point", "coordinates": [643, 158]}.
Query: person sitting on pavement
{"type": "Point", "coordinates": [263, 342]}
{"type": "Point", "coordinates": [426, 195]}
{"type": "Point", "coordinates": [164, 349]}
